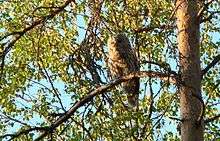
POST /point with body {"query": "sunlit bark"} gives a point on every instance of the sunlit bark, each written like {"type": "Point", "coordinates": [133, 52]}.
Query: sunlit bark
{"type": "Point", "coordinates": [190, 89]}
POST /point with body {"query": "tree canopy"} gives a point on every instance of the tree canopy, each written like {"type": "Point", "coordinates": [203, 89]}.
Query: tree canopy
{"type": "Point", "coordinates": [54, 76]}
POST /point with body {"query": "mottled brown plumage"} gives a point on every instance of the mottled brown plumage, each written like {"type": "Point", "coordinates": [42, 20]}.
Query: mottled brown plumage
{"type": "Point", "coordinates": [122, 61]}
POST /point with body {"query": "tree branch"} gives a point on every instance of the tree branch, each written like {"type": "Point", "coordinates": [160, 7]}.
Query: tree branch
{"type": "Point", "coordinates": [204, 7]}
{"type": "Point", "coordinates": [18, 34]}
{"type": "Point", "coordinates": [22, 132]}
{"type": "Point", "coordinates": [13, 119]}
{"type": "Point", "coordinates": [209, 17]}
{"type": "Point", "coordinates": [55, 91]}
{"type": "Point", "coordinates": [212, 119]}
{"type": "Point", "coordinates": [212, 64]}
{"type": "Point", "coordinates": [151, 28]}
{"type": "Point", "coordinates": [162, 65]}
{"type": "Point", "coordinates": [101, 90]}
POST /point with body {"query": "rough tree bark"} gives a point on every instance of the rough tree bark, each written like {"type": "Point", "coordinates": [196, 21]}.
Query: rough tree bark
{"type": "Point", "coordinates": [190, 90]}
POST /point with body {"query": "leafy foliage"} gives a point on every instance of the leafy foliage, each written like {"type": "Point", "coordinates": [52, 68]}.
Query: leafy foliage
{"type": "Point", "coordinates": [53, 53]}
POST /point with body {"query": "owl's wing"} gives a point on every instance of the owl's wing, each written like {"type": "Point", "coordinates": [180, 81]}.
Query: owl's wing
{"type": "Point", "coordinates": [117, 68]}
{"type": "Point", "coordinates": [131, 60]}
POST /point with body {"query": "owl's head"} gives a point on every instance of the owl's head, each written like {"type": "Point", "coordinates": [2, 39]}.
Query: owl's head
{"type": "Point", "coordinates": [118, 41]}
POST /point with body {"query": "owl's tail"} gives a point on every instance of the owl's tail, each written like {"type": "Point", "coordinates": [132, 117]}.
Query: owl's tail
{"type": "Point", "coordinates": [131, 88]}
{"type": "Point", "coordinates": [133, 100]}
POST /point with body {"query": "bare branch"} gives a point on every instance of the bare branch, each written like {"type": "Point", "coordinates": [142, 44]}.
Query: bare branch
{"type": "Point", "coordinates": [101, 90]}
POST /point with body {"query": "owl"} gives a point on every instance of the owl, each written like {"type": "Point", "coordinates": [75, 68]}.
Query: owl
{"type": "Point", "coordinates": [122, 61]}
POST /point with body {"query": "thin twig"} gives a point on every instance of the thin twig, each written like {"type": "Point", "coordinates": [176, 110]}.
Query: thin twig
{"type": "Point", "coordinates": [13, 119]}
{"type": "Point", "coordinates": [23, 132]}
{"type": "Point", "coordinates": [52, 85]}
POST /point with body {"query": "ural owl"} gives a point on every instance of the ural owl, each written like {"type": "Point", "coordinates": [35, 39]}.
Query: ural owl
{"type": "Point", "coordinates": [122, 61]}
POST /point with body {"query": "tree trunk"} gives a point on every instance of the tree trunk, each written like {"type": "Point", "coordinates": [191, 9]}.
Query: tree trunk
{"type": "Point", "coordinates": [189, 54]}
